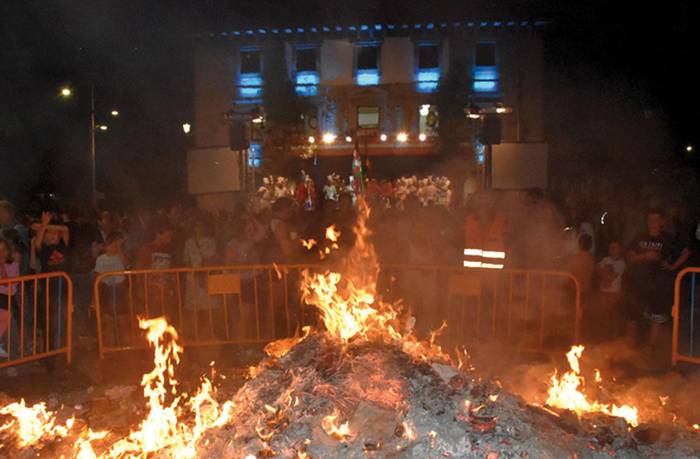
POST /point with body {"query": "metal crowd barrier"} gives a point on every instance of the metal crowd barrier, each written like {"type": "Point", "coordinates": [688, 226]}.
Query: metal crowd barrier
{"type": "Point", "coordinates": [538, 311]}
{"type": "Point", "coordinates": [525, 310]}
{"type": "Point", "coordinates": [39, 315]}
{"type": "Point", "coordinates": [208, 306]}
{"type": "Point", "coordinates": [686, 318]}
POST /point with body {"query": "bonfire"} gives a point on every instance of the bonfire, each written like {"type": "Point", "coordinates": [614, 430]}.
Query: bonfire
{"type": "Point", "coordinates": [361, 384]}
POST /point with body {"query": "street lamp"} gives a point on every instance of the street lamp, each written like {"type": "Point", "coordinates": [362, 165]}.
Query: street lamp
{"type": "Point", "coordinates": [186, 128]}
{"type": "Point", "coordinates": [66, 92]}
{"type": "Point", "coordinates": [115, 112]}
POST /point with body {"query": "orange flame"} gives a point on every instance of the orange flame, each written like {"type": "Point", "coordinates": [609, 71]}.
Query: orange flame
{"type": "Point", "coordinates": [162, 428]}
{"type": "Point", "coordinates": [33, 423]}
{"type": "Point", "coordinates": [348, 303]}
{"type": "Point", "coordinates": [565, 392]}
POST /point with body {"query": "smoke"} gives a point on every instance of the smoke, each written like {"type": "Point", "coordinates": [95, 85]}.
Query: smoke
{"type": "Point", "coordinates": [628, 376]}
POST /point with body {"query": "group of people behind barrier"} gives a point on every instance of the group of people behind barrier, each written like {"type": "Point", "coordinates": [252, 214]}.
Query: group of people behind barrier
{"type": "Point", "coordinates": [495, 230]}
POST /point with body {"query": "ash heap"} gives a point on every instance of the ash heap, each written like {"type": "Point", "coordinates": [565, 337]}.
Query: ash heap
{"type": "Point", "coordinates": [361, 385]}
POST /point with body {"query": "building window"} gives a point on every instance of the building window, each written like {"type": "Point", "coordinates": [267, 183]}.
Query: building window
{"type": "Point", "coordinates": [485, 55]}
{"type": "Point", "coordinates": [307, 77]}
{"type": "Point", "coordinates": [367, 117]}
{"type": "Point", "coordinates": [250, 62]}
{"type": "Point", "coordinates": [367, 65]}
{"type": "Point", "coordinates": [428, 57]}
{"type": "Point", "coordinates": [306, 60]}
{"type": "Point", "coordinates": [250, 78]}
{"type": "Point", "coordinates": [428, 74]}
{"type": "Point", "coordinates": [485, 73]}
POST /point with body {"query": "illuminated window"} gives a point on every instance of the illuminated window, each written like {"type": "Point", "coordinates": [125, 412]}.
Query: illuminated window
{"type": "Point", "coordinates": [307, 77]}
{"type": "Point", "coordinates": [250, 78]}
{"type": "Point", "coordinates": [368, 117]}
{"type": "Point", "coordinates": [250, 85]}
{"type": "Point", "coordinates": [485, 73]}
{"type": "Point", "coordinates": [367, 66]}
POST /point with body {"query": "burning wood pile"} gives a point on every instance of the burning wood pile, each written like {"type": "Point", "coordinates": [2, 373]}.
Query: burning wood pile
{"type": "Point", "coordinates": [364, 387]}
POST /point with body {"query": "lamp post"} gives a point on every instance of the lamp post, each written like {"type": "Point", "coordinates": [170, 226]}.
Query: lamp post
{"type": "Point", "coordinates": [93, 161]}
{"type": "Point", "coordinates": [67, 92]}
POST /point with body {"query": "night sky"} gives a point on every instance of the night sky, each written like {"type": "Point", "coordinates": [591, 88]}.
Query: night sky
{"type": "Point", "coordinates": [137, 53]}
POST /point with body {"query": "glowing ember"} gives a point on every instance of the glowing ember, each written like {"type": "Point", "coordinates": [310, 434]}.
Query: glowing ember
{"type": "Point", "coordinates": [332, 234]}
{"type": "Point", "coordinates": [280, 347]}
{"type": "Point", "coordinates": [408, 431]}
{"type": "Point", "coordinates": [308, 245]}
{"type": "Point", "coordinates": [339, 432]}
{"type": "Point", "coordinates": [565, 392]}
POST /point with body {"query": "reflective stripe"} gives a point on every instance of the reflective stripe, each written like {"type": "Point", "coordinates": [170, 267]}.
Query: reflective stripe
{"type": "Point", "coordinates": [473, 252]}
{"type": "Point", "coordinates": [491, 266]}
{"type": "Point", "coordinates": [472, 264]}
{"type": "Point", "coordinates": [493, 254]}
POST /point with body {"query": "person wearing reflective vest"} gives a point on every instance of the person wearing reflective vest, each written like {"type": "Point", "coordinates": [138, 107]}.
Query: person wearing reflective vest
{"type": "Point", "coordinates": [483, 241]}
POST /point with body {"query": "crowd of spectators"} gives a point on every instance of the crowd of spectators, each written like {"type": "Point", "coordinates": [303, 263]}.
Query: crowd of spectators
{"type": "Point", "coordinates": [624, 264]}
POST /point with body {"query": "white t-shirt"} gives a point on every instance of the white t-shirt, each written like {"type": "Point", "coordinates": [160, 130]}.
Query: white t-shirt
{"type": "Point", "coordinates": [108, 264]}
{"type": "Point", "coordinates": [618, 267]}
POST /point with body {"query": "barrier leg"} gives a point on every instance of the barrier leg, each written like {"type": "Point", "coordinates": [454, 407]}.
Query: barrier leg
{"type": "Point", "coordinates": [117, 341]}
{"type": "Point", "coordinates": [691, 330]}
{"type": "Point", "coordinates": [59, 321]}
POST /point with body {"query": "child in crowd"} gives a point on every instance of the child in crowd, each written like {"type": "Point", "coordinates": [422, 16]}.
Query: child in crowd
{"type": "Point", "coordinates": [113, 259]}
{"type": "Point", "coordinates": [8, 269]}
{"type": "Point", "coordinates": [115, 314]}
{"type": "Point", "coordinates": [50, 245]}
{"type": "Point", "coordinates": [49, 254]}
{"type": "Point", "coordinates": [610, 271]}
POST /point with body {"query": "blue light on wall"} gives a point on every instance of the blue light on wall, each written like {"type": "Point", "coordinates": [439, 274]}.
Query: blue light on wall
{"type": "Point", "coordinates": [307, 83]}
{"type": "Point", "coordinates": [255, 154]}
{"type": "Point", "coordinates": [427, 80]}
{"type": "Point", "coordinates": [479, 150]}
{"type": "Point", "coordinates": [367, 77]}
{"type": "Point", "coordinates": [250, 85]}
{"type": "Point", "coordinates": [485, 79]}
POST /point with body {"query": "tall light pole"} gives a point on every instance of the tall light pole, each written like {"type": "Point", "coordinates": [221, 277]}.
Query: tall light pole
{"type": "Point", "coordinates": [93, 162]}
{"type": "Point", "coordinates": [68, 92]}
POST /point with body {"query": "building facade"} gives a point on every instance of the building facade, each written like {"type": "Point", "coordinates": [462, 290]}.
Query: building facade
{"type": "Point", "coordinates": [373, 88]}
